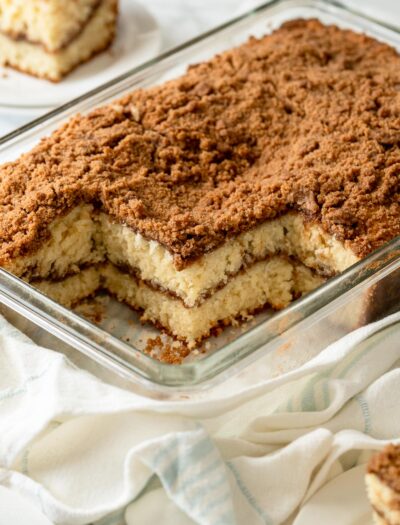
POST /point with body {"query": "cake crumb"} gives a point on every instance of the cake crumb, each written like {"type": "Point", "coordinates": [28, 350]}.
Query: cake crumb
{"type": "Point", "coordinates": [93, 310]}
{"type": "Point", "coordinates": [165, 351]}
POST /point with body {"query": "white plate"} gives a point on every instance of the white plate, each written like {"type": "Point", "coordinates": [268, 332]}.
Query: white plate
{"type": "Point", "coordinates": [138, 39]}
{"type": "Point", "coordinates": [16, 510]}
{"type": "Point", "coordinates": [341, 501]}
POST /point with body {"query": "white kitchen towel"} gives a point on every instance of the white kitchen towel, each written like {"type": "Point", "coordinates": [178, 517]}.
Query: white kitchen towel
{"type": "Point", "coordinates": [84, 451]}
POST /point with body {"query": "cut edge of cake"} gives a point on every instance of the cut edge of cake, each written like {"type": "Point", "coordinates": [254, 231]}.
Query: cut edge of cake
{"type": "Point", "coordinates": [51, 24]}
{"type": "Point", "coordinates": [383, 485]}
{"type": "Point", "coordinates": [33, 58]}
{"type": "Point", "coordinates": [269, 265]}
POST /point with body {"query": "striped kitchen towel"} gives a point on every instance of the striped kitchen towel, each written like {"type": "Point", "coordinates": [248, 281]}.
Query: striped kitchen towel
{"type": "Point", "coordinates": [87, 452]}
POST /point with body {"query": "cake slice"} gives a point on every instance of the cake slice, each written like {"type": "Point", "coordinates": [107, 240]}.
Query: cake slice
{"type": "Point", "coordinates": [49, 38]}
{"type": "Point", "coordinates": [235, 187]}
{"type": "Point", "coordinates": [383, 485]}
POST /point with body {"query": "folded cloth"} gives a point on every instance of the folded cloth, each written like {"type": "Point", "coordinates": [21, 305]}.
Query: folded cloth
{"type": "Point", "coordinates": [84, 451]}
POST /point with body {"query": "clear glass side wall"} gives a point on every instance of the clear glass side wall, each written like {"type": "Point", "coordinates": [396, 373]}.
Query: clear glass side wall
{"type": "Point", "coordinates": [361, 294]}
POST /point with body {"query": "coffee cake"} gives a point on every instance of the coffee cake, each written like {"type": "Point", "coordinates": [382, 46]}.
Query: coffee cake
{"type": "Point", "coordinates": [244, 183]}
{"type": "Point", "coordinates": [383, 485]}
{"type": "Point", "coordinates": [49, 38]}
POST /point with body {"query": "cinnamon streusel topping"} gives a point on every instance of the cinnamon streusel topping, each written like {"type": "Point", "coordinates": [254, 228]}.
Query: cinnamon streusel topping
{"type": "Point", "coordinates": [386, 465]}
{"type": "Point", "coordinates": [307, 118]}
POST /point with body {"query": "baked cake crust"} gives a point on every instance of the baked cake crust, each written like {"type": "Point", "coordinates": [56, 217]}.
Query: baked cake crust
{"type": "Point", "coordinates": [305, 119]}
{"type": "Point", "coordinates": [237, 140]}
{"type": "Point", "coordinates": [386, 465]}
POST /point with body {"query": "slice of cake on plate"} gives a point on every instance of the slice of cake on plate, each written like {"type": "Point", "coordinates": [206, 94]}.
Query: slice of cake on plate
{"type": "Point", "coordinates": [49, 38]}
{"type": "Point", "coordinates": [244, 183]}
{"type": "Point", "coordinates": [383, 485]}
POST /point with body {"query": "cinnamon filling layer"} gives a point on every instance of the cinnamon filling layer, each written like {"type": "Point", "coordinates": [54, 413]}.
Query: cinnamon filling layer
{"type": "Point", "coordinates": [85, 237]}
{"type": "Point", "coordinates": [381, 514]}
{"type": "Point", "coordinates": [134, 274]}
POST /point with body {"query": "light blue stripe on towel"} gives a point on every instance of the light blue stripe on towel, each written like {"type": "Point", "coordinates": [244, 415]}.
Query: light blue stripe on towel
{"type": "Point", "coordinates": [249, 496]}
{"type": "Point", "coordinates": [194, 475]}
{"type": "Point", "coordinates": [315, 395]}
{"type": "Point", "coordinates": [365, 411]}
{"type": "Point", "coordinates": [22, 389]}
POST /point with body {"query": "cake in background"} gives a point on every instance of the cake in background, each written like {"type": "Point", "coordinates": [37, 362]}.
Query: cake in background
{"type": "Point", "coordinates": [49, 38]}
{"type": "Point", "coordinates": [383, 485]}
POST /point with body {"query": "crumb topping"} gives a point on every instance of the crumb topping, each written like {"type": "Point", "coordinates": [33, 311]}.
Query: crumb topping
{"type": "Point", "coordinates": [305, 119]}
{"type": "Point", "coordinates": [173, 352]}
{"type": "Point", "coordinates": [386, 465]}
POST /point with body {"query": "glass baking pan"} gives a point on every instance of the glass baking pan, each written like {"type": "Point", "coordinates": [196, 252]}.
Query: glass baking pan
{"type": "Point", "coordinates": [273, 341]}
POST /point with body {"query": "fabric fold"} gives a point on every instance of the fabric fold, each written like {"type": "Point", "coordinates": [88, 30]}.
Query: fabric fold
{"type": "Point", "coordinates": [84, 451]}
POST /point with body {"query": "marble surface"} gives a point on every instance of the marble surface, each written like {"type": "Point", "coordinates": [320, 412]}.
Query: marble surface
{"type": "Point", "coordinates": [181, 20]}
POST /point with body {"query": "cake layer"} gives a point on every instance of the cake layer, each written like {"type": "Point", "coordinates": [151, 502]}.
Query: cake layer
{"type": "Point", "coordinates": [288, 235]}
{"type": "Point", "coordinates": [270, 282]}
{"type": "Point", "coordinates": [275, 282]}
{"type": "Point", "coordinates": [31, 58]}
{"type": "Point", "coordinates": [50, 23]}
{"type": "Point", "coordinates": [383, 485]}
{"type": "Point", "coordinates": [83, 236]}
{"type": "Point", "coordinates": [72, 289]}
{"type": "Point", "coordinates": [384, 500]}
{"type": "Point", "coordinates": [73, 242]}
{"type": "Point", "coordinates": [380, 520]}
